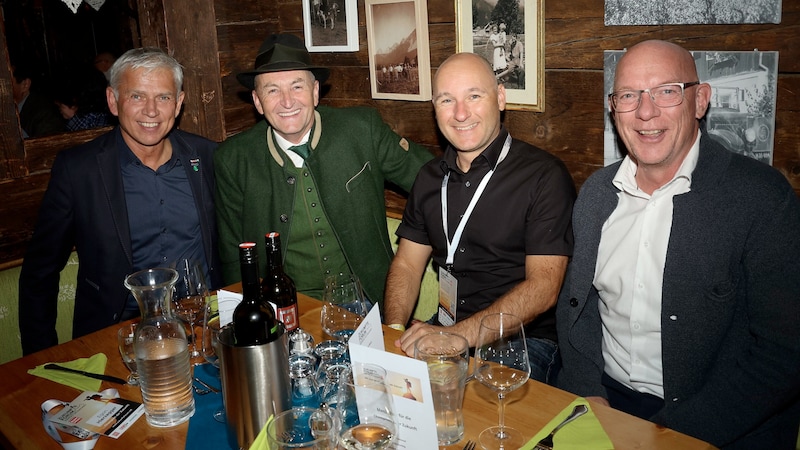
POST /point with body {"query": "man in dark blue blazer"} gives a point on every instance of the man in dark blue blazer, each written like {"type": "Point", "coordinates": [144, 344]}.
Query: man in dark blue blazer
{"type": "Point", "coordinates": [140, 196]}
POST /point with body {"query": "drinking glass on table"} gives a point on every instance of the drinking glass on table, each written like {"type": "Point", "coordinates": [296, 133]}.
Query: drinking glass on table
{"type": "Point", "coordinates": [501, 363]}
{"type": "Point", "coordinates": [344, 306]}
{"type": "Point", "coordinates": [210, 341]}
{"type": "Point", "coordinates": [447, 357]}
{"type": "Point", "coordinates": [189, 297]}
{"type": "Point", "coordinates": [302, 427]}
{"type": "Point", "coordinates": [365, 409]}
{"type": "Point", "coordinates": [125, 343]}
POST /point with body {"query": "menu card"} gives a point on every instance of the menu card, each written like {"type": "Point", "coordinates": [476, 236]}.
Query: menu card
{"type": "Point", "coordinates": [99, 412]}
{"type": "Point", "coordinates": [408, 380]}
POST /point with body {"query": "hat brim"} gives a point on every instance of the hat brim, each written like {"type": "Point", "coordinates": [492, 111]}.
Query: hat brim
{"type": "Point", "coordinates": [248, 79]}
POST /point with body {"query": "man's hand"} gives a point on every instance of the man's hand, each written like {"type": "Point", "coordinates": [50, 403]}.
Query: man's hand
{"type": "Point", "coordinates": [416, 331]}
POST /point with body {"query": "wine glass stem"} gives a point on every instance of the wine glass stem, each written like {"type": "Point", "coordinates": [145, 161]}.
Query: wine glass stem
{"type": "Point", "coordinates": [501, 408]}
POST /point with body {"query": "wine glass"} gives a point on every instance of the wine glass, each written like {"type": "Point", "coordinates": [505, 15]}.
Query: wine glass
{"type": "Point", "coordinates": [365, 409]}
{"type": "Point", "coordinates": [125, 343]}
{"type": "Point", "coordinates": [189, 297]}
{"type": "Point", "coordinates": [210, 341]}
{"type": "Point", "coordinates": [501, 363]}
{"type": "Point", "coordinates": [344, 306]}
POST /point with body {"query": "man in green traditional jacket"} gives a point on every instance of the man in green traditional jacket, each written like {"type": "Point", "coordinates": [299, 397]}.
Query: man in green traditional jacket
{"type": "Point", "coordinates": [314, 174]}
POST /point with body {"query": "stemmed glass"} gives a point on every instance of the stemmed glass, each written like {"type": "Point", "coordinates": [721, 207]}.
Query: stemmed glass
{"type": "Point", "coordinates": [344, 306]}
{"type": "Point", "coordinates": [189, 297]}
{"type": "Point", "coordinates": [125, 343]}
{"type": "Point", "coordinates": [210, 341]}
{"type": "Point", "coordinates": [364, 405]}
{"type": "Point", "coordinates": [501, 363]}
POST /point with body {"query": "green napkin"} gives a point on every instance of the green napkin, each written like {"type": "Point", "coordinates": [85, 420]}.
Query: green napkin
{"type": "Point", "coordinates": [583, 433]}
{"type": "Point", "coordinates": [94, 364]}
{"type": "Point", "coordinates": [261, 442]}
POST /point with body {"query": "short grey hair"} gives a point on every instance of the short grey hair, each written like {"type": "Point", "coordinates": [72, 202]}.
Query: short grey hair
{"type": "Point", "coordinates": [148, 58]}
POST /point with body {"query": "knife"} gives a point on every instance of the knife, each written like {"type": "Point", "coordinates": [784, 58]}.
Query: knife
{"type": "Point", "coordinates": [97, 376]}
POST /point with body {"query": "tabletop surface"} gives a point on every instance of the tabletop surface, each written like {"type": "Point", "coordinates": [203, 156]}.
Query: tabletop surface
{"type": "Point", "coordinates": [528, 409]}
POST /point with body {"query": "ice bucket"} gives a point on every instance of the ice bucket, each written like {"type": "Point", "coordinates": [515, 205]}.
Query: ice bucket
{"type": "Point", "coordinates": [255, 385]}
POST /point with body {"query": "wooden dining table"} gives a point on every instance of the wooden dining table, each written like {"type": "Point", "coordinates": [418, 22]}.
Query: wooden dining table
{"type": "Point", "coordinates": [528, 409]}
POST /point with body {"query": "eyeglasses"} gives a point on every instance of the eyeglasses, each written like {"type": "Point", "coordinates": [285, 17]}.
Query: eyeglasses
{"type": "Point", "coordinates": [664, 96]}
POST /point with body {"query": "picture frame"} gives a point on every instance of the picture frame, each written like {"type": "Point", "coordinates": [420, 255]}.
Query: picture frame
{"type": "Point", "coordinates": [399, 53]}
{"type": "Point", "coordinates": [330, 25]}
{"type": "Point", "coordinates": [510, 30]}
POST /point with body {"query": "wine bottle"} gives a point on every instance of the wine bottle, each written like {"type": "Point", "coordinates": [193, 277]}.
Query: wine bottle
{"type": "Point", "coordinates": [277, 287]}
{"type": "Point", "coordinates": [254, 322]}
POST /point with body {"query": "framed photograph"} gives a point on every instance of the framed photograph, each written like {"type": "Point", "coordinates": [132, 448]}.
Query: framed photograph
{"type": "Point", "coordinates": [510, 35]}
{"type": "Point", "coordinates": [330, 25]}
{"type": "Point", "coordinates": [399, 56]}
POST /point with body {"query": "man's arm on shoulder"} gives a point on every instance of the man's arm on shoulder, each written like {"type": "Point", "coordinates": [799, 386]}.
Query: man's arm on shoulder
{"type": "Point", "coordinates": [403, 281]}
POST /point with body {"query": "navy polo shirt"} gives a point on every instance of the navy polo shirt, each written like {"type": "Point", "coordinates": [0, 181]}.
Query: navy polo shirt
{"type": "Point", "coordinates": [162, 213]}
{"type": "Point", "coordinates": [526, 209]}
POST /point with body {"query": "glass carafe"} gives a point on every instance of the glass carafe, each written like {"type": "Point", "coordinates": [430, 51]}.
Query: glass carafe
{"type": "Point", "coordinates": [162, 350]}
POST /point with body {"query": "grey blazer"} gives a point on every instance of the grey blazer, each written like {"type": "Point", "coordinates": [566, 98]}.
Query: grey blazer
{"type": "Point", "coordinates": [730, 308]}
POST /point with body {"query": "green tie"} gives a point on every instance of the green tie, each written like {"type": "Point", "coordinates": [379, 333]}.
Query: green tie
{"type": "Point", "coordinates": [301, 150]}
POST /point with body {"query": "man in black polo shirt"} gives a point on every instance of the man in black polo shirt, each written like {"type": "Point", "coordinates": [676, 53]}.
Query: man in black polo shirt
{"type": "Point", "coordinates": [507, 215]}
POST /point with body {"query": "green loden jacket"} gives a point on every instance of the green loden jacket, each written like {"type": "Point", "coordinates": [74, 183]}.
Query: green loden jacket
{"type": "Point", "coordinates": [353, 154]}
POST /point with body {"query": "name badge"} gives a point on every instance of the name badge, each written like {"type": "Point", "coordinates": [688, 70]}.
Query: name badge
{"type": "Point", "coordinates": [448, 297]}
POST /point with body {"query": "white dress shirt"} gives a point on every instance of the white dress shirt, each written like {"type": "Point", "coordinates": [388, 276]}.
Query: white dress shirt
{"type": "Point", "coordinates": [629, 275]}
{"type": "Point", "coordinates": [284, 144]}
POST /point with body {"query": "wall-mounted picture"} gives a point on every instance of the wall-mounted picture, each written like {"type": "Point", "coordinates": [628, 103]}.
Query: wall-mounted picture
{"type": "Point", "coordinates": [685, 12]}
{"type": "Point", "coordinates": [330, 25]}
{"type": "Point", "coordinates": [741, 114]}
{"type": "Point", "coordinates": [399, 57]}
{"type": "Point", "coordinates": [510, 35]}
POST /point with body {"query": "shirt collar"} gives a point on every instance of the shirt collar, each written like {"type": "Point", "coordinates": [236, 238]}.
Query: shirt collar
{"type": "Point", "coordinates": [625, 179]}
{"type": "Point", "coordinates": [488, 156]}
{"type": "Point", "coordinates": [126, 155]}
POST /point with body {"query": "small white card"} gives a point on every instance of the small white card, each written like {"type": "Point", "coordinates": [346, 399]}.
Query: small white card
{"type": "Point", "coordinates": [408, 380]}
{"type": "Point", "coordinates": [226, 303]}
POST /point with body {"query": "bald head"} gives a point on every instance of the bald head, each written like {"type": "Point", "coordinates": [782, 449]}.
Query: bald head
{"type": "Point", "coordinates": [474, 64]}
{"type": "Point", "coordinates": [661, 53]}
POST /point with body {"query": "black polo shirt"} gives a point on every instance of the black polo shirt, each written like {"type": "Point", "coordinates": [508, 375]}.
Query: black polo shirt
{"type": "Point", "coordinates": [526, 209]}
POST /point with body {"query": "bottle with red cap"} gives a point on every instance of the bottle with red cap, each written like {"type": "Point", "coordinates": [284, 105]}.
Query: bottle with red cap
{"type": "Point", "coordinates": [277, 287]}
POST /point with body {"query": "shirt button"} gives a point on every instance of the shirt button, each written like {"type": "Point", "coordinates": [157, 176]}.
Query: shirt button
{"type": "Point", "coordinates": [316, 219]}
{"type": "Point", "coordinates": [467, 184]}
{"type": "Point", "coordinates": [573, 302]}
{"type": "Point", "coordinates": [284, 218]}
{"type": "Point", "coordinates": [673, 317]}
{"type": "Point", "coordinates": [325, 258]}
{"type": "Point", "coordinates": [319, 233]}
{"type": "Point", "coordinates": [305, 174]}
{"type": "Point", "coordinates": [675, 399]}
{"type": "Point", "coordinates": [313, 205]}
{"type": "Point", "coordinates": [321, 245]}
{"type": "Point", "coordinates": [308, 189]}
{"type": "Point", "coordinates": [461, 302]}
{"type": "Point", "coordinates": [636, 326]}
{"type": "Point", "coordinates": [162, 201]}
{"type": "Point", "coordinates": [461, 249]}
{"type": "Point", "coordinates": [290, 180]}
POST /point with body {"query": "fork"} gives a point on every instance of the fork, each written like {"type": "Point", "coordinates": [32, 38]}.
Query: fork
{"type": "Point", "coordinates": [469, 446]}
{"type": "Point", "coordinates": [547, 442]}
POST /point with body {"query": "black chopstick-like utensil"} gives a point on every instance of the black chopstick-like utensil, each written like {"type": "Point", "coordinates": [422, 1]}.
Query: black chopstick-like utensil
{"type": "Point", "coordinates": [97, 376]}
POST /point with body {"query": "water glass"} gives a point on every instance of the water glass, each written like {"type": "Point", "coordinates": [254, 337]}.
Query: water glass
{"type": "Point", "coordinates": [447, 355]}
{"type": "Point", "coordinates": [302, 428]}
{"type": "Point", "coordinates": [344, 306]}
{"type": "Point", "coordinates": [125, 341]}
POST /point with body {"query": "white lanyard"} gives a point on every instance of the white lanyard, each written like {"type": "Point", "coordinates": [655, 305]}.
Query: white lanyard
{"type": "Point", "coordinates": [451, 246]}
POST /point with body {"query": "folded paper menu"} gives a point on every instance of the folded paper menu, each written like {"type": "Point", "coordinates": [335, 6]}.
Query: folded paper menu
{"type": "Point", "coordinates": [98, 412]}
{"type": "Point", "coordinates": [408, 380]}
